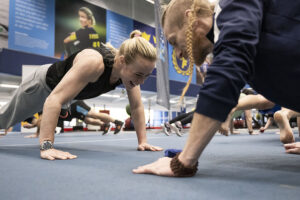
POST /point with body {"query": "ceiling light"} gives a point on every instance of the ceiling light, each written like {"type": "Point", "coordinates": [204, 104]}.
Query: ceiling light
{"type": "Point", "coordinates": [173, 101]}
{"type": "Point", "coordinates": [9, 86]}
{"type": "Point", "coordinates": [110, 95]}
{"type": "Point", "coordinates": [150, 1]}
{"type": "Point", "coordinates": [2, 103]}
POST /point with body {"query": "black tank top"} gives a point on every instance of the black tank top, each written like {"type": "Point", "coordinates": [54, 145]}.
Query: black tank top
{"type": "Point", "coordinates": [57, 71]}
{"type": "Point", "coordinates": [87, 38]}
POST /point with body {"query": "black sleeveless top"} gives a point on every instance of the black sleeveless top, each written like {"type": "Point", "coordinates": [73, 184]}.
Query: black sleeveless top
{"type": "Point", "coordinates": [57, 71]}
{"type": "Point", "coordinates": [87, 38]}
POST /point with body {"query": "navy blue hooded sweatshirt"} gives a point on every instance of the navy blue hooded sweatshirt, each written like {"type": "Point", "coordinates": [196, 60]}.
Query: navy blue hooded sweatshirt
{"type": "Point", "coordinates": [255, 42]}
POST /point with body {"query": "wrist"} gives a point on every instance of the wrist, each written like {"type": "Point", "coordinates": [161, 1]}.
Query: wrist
{"type": "Point", "coordinates": [186, 161]}
{"type": "Point", "coordinates": [142, 139]}
{"type": "Point", "coordinates": [46, 145]}
{"type": "Point", "coordinates": [180, 170]}
{"type": "Point", "coordinates": [142, 142]}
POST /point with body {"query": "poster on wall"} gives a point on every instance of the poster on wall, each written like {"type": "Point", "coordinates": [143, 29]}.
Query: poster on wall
{"type": "Point", "coordinates": [31, 26]}
{"type": "Point", "coordinates": [148, 32]}
{"type": "Point", "coordinates": [178, 67]}
{"type": "Point", "coordinates": [4, 10]}
{"type": "Point", "coordinates": [78, 25]}
{"type": "Point", "coordinates": [118, 28]}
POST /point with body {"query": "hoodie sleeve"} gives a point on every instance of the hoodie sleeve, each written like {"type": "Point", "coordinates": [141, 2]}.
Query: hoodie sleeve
{"type": "Point", "coordinates": [237, 26]}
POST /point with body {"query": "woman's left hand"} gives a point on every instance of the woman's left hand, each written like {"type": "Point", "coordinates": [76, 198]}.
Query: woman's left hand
{"type": "Point", "coordinates": [148, 147]}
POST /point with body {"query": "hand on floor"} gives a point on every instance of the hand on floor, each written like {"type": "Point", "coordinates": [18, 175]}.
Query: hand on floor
{"type": "Point", "coordinates": [28, 125]}
{"type": "Point", "coordinates": [161, 167]}
{"type": "Point", "coordinates": [148, 147]}
{"type": "Point", "coordinates": [223, 131]}
{"type": "Point", "coordinates": [31, 136]}
{"type": "Point", "coordinates": [292, 148]}
{"type": "Point", "coordinates": [52, 154]}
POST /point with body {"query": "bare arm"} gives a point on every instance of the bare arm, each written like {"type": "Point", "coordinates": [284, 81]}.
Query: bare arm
{"type": "Point", "coordinates": [68, 88]}
{"type": "Point", "coordinates": [138, 116]}
{"type": "Point", "coordinates": [200, 135]}
{"type": "Point", "coordinates": [137, 113]}
{"type": "Point", "coordinates": [202, 130]}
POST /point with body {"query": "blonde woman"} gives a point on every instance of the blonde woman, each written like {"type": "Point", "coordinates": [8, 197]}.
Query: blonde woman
{"type": "Point", "coordinates": [254, 41]}
{"type": "Point", "coordinates": [86, 74]}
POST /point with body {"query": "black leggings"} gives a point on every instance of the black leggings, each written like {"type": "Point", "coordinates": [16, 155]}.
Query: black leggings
{"type": "Point", "coordinates": [183, 118]}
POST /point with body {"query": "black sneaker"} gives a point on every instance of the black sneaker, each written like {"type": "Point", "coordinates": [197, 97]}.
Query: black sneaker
{"type": "Point", "coordinates": [106, 128]}
{"type": "Point", "coordinates": [119, 125]}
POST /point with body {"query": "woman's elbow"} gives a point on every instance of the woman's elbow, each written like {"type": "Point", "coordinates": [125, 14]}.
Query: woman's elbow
{"type": "Point", "coordinates": [51, 101]}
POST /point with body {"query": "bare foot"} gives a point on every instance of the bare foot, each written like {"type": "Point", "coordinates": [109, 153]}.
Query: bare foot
{"type": "Point", "coordinates": [286, 133]}
{"type": "Point", "coordinates": [254, 133]}
{"type": "Point", "coordinates": [31, 136]}
{"type": "Point", "coordinates": [224, 128]}
{"type": "Point", "coordinates": [292, 148]}
{"type": "Point", "coordinates": [223, 132]}
{"type": "Point", "coordinates": [234, 133]}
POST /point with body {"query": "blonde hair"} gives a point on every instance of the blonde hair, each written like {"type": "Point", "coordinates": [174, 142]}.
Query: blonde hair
{"type": "Point", "coordinates": [199, 8]}
{"type": "Point", "coordinates": [133, 47]}
{"type": "Point", "coordinates": [89, 14]}
{"type": "Point", "coordinates": [135, 33]}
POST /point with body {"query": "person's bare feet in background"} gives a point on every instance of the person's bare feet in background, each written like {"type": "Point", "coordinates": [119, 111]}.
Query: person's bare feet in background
{"type": "Point", "coordinates": [292, 148]}
{"type": "Point", "coordinates": [35, 135]}
{"type": "Point", "coordinates": [282, 118]}
{"type": "Point", "coordinates": [224, 128]}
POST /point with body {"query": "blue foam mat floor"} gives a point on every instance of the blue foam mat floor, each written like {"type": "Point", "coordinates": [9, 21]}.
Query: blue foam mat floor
{"type": "Point", "coordinates": [235, 167]}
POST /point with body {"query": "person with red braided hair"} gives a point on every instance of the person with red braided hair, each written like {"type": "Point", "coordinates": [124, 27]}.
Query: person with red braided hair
{"type": "Point", "coordinates": [254, 42]}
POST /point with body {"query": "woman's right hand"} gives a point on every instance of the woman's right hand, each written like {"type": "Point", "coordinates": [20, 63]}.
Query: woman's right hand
{"type": "Point", "coordinates": [52, 154]}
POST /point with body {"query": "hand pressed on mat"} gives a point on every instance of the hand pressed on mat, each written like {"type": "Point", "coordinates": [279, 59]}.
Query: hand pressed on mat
{"type": "Point", "coordinates": [200, 135]}
{"type": "Point", "coordinates": [161, 167]}
{"type": "Point", "coordinates": [148, 147]}
{"type": "Point", "coordinates": [52, 154]}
